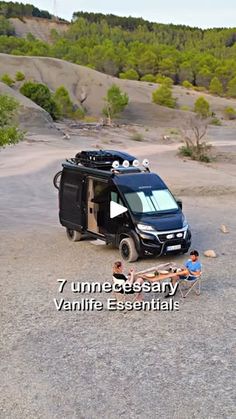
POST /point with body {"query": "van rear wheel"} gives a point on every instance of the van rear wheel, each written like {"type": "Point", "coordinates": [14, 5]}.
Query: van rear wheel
{"type": "Point", "coordinates": [73, 235]}
{"type": "Point", "coordinates": [128, 250]}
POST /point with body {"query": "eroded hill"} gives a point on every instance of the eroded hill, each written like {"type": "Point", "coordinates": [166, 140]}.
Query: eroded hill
{"type": "Point", "coordinates": [90, 86]}
{"type": "Point", "coordinates": [38, 27]}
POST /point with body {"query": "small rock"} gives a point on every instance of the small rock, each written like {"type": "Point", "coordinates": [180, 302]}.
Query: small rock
{"type": "Point", "coordinates": [210, 254]}
{"type": "Point", "coordinates": [66, 136]}
{"type": "Point", "coordinates": [224, 229]}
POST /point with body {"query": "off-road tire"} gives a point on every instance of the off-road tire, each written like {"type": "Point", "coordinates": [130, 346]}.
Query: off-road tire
{"type": "Point", "coordinates": [73, 235]}
{"type": "Point", "coordinates": [128, 250]}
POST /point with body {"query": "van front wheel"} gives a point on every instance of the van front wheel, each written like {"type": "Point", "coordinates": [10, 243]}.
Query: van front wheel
{"type": "Point", "coordinates": [128, 250]}
{"type": "Point", "coordinates": [73, 235]}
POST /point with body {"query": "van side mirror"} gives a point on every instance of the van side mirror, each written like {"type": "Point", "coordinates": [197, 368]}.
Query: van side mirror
{"type": "Point", "coordinates": [179, 203]}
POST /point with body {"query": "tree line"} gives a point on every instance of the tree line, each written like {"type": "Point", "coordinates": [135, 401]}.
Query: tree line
{"type": "Point", "coordinates": [130, 48]}
{"type": "Point", "coordinates": [15, 9]}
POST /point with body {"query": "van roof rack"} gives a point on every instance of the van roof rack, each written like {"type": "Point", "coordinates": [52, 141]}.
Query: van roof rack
{"type": "Point", "coordinates": [101, 159]}
{"type": "Point", "coordinates": [117, 162]}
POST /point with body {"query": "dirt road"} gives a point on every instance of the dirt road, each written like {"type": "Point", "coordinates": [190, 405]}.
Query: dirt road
{"type": "Point", "coordinates": [111, 364]}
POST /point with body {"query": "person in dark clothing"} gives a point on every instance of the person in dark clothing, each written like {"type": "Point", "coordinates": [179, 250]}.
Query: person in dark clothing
{"type": "Point", "coordinates": [120, 278]}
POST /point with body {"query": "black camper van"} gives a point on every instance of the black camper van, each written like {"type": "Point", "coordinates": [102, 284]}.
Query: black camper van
{"type": "Point", "coordinates": [113, 197]}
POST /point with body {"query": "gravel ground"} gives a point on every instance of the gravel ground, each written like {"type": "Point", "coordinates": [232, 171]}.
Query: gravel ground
{"type": "Point", "coordinates": [107, 364]}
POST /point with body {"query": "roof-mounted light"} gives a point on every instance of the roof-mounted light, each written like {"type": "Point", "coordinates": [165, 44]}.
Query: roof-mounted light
{"type": "Point", "coordinates": [115, 164]}
{"type": "Point", "coordinates": [145, 163]}
{"type": "Point", "coordinates": [125, 164]}
{"type": "Point", "coordinates": [135, 163]}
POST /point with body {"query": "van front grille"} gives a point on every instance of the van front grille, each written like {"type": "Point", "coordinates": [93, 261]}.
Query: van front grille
{"type": "Point", "coordinates": [178, 235]}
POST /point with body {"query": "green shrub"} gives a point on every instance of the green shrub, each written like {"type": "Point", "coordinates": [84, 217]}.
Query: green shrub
{"type": "Point", "coordinates": [215, 121]}
{"type": "Point", "coordinates": [185, 108]}
{"type": "Point", "coordinates": [137, 136]}
{"type": "Point", "coordinates": [8, 109]}
{"type": "Point", "coordinates": [149, 78]}
{"type": "Point", "coordinates": [163, 96]}
{"type": "Point", "coordinates": [187, 84]}
{"type": "Point", "coordinates": [10, 135]}
{"type": "Point", "coordinates": [9, 132]}
{"type": "Point", "coordinates": [116, 101]}
{"type": "Point", "coordinates": [230, 113]}
{"type": "Point", "coordinates": [202, 107]}
{"type": "Point", "coordinates": [216, 87]}
{"type": "Point", "coordinates": [7, 80]}
{"type": "Point", "coordinates": [63, 102]}
{"type": "Point", "coordinates": [167, 81]}
{"type": "Point", "coordinates": [19, 76]}
{"type": "Point", "coordinates": [129, 74]}
{"type": "Point", "coordinates": [80, 114]}
{"type": "Point", "coordinates": [231, 88]}
{"type": "Point", "coordinates": [40, 94]}
{"type": "Point", "coordinates": [199, 88]}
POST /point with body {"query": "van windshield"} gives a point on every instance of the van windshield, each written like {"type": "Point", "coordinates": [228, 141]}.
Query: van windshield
{"type": "Point", "coordinates": [150, 201]}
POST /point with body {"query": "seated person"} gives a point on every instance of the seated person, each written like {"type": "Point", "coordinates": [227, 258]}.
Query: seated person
{"type": "Point", "coordinates": [120, 278]}
{"type": "Point", "coordinates": [193, 266]}
{"type": "Point", "coordinates": [193, 269]}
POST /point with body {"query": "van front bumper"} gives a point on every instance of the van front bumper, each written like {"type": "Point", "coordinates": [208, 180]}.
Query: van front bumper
{"type": "Point", "coordinates": [157, 243]}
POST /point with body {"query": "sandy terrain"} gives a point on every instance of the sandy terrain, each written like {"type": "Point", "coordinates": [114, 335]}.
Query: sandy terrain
{"type": "Point", "coordinates": [82, 80]}
{"type": "Point", "coordinates": [89, 365]}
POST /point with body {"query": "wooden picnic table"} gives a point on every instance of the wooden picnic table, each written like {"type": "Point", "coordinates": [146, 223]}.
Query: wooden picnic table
{"type": "Point", "coordinates": [160, 277]}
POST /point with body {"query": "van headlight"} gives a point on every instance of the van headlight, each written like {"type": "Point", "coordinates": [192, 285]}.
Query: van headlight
{"type": "Point", "coordinates": [145, 227]}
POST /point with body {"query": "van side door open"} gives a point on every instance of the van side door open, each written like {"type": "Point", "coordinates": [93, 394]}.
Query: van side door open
{"type": "Point", "coordinates": [97, 205]}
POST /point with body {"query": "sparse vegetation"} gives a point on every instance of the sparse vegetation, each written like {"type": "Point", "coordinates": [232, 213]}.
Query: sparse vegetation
{"type": "Point", "coordinates": [174, 131]}
{"type": "Point", "coordinates": [90, 119]}
{"type": "Point", "coordinates": [149, 78]}
{"type": "Point", "coordinates": [7, 80]}
{"type": "Point", "coordinates": [137, 136]}
{"type": "Point", "coordinates": [202, 107]}
{"type": "Point", "coordinates": [199, 89]}
{"type": "Point", "coordinates": [187, 84]}
{"type": "Point", "coordinates": [185, 108]}
{"type": "Point", "coordinates": [63, 102]}
{"type": "Point", "coordinates": [19, 76]}
{"type": "Point", "coordinates": [216, 87]}
{"type": "Point", "coordinates": [6, 27]}
{"type": "Point", "coordinates": [231, 88]}
{"type": "Point", "coordinates": [40, 94]}
{"type": "Point", "coordinates": [116, 101]}
{"type": "Point", "coordinates": [129, 74]}
{"type": "Point", "coordinates": [78, 113]}
{"type": "Point", "coordinates": [230, 113]}
{"type": "Point", "coordinates": [194, 147]}
{"type": "Point", "coordinates": [9, 132]}
{"type": "Point", "coordinates": [166, 81]}
{"type": "Point", "coordinates": [215, 121]}
{"type": "Point", "coordinates": [163, 96]}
